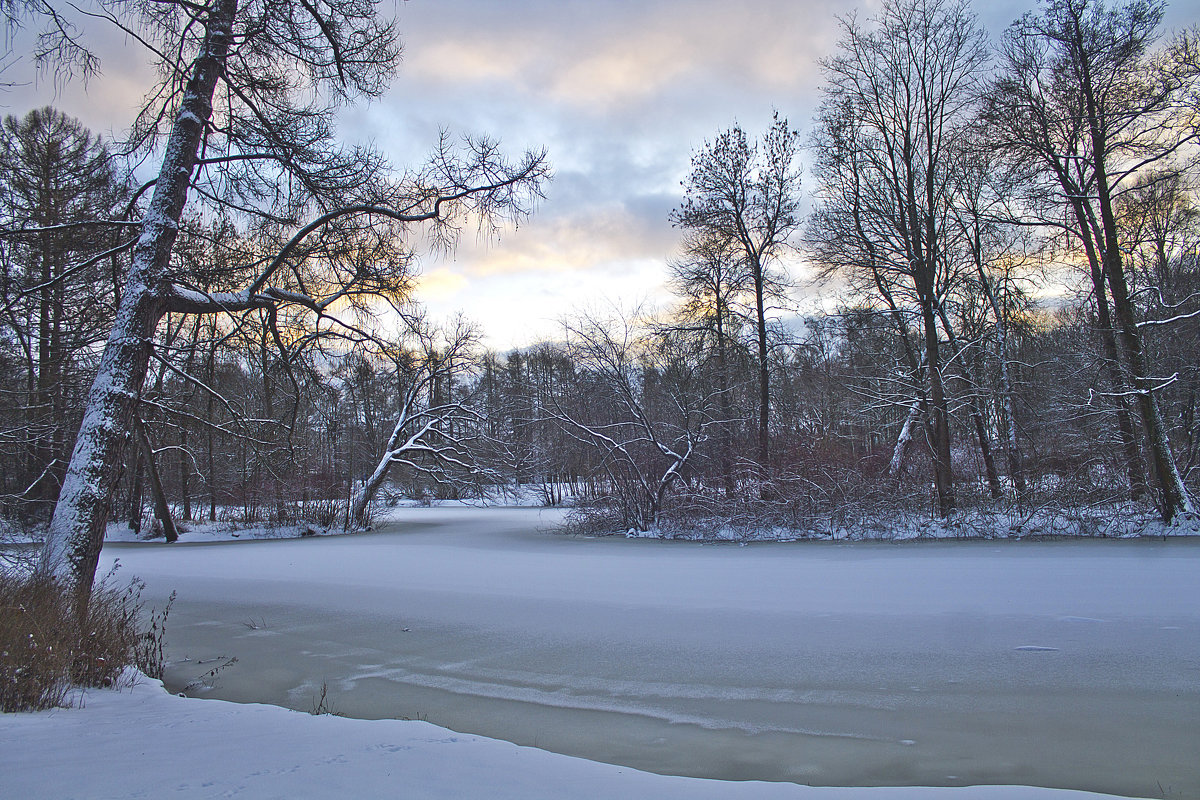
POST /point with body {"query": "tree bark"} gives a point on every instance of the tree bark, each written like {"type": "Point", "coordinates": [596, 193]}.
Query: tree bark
{"type": "Point", "coordinates": [943, 477]}
{"type": "Point", "coordinates": [360, 502]}
{"type": "Point", "coordinates": [726, 436]}
{"type": "Point", "coordinates": [981, 433]}
{"type": "Point", "coordinates": [72, 547]}
{"type": "Point", "coordinates": [136, 492]}
{"type": "Point", "coordinates": [1173, 497]}
{"type": "Point", "coordinates": [1135, 469]}
{"type": "Point", "coordinates": [903, 442]}
{"type": "Point", "coordinates": [764, 388]}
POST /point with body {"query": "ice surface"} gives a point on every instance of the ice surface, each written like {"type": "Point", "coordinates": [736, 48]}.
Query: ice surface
{"type": "Point", "coordinates": [144, 742]}
{"type": "Point", "coordinates": [1062, 664]}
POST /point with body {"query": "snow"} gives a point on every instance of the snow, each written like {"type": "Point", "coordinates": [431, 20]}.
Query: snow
{"type": "Point", "coordinates": [144, 742]}
{"type": "Point", "coordinates": [1058, 664]}
{"type": "Point", "coordinates": [221, 531]}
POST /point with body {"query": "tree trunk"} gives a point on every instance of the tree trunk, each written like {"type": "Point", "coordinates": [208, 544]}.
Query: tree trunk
{"type": "Point", "coordinates": [1135, 470]}
{"type": "Point", "coordinates": [981, 433]}
{"type": "Point", "coordinates": [726, 437]}
{"type": "Point", "coordinates": [764, 389]}
{"type": "Point", "coordinates": [136, 492]}
{"type": "Point", "coordinates": [360, 502]}
{"type": "Point", "coordinates": [208, 429]}
{"type": "Point", "coordinates": [76, 534]}
{"type": "Point", "coordinates": [985, 450]}
{"type": "Point", "coordinates": [1173, 496]}
{"type": "Point", "coordinates": [162, 509]}
{"type": "Point", "coordinates": [184, 470]}
{"type": "Point", "coordinates": [1008, 419]}
{"type": "Point", "coordinates": [915, 370]}
{"type": "Point", "coordinates": [72, 546]}
{"type": "Point", "coordinates": [943, 477]}
{"type": "Point", "coordinates": [903, 442]}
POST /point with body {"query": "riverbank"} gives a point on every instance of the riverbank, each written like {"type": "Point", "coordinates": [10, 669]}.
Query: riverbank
{"type": "Point", "coordinates": [1065, 664]}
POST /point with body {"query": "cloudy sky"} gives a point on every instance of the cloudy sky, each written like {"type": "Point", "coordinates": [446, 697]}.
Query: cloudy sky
{"type": "Point", "coordinates": [620, 91]}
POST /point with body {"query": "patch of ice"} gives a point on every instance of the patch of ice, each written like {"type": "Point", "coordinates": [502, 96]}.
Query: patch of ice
{"type": "Point", "coordinates": [252, 750]}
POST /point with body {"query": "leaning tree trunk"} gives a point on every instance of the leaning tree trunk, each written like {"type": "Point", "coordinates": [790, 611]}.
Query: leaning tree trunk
{"type": "Point", "coordinates": [916, 368]}
{"type": "Point", "coordinates": [1173, 496]}
{"type": "Point", "coordinates": [903, 442]}
{"type": "Point", "coordinates": [360, 502]}
{"type": "Point", "coordinates": [162, 509]}
{"type": "Point", "coordinates": [136, 493]}
{"type": "Point", "coordinates": [1135, 470]}
{"type": "Point", "coordinates": [72, 547]}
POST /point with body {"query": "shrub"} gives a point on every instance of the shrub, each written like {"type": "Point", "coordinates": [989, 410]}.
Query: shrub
{"type": "Point", "coordinates": [47, 645]}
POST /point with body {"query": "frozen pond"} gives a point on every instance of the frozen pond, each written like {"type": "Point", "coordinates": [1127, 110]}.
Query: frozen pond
{"type": "Point", "coordinates": [1062, 664]}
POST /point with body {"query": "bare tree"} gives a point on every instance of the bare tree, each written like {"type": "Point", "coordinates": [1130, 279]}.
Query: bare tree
{"type": "Point", "coordinates": [712, 282]}
{"type": "Point", "coordinates": [244, 113]}
{"type": "Point", "coordinates": [1082, 96]}
{"type": "Point", "coordinates": [646, 430]}
{"type": "Point", "coordinates": [990, 230]}
{"type": "Point", "coordinates": [59, 184]}
{"type": "Point", "coordinates": [435, 433]}
{"type": "Point", "coordinates": [898, 99]}
{"type": "Point", "coordinates": [748, 195]}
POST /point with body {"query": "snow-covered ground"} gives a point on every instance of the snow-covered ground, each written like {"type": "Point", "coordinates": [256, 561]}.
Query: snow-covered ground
{"type": "Point", "coordinates": [1057, 664]}
{"type": "Point", "coordinates": [144, 742]}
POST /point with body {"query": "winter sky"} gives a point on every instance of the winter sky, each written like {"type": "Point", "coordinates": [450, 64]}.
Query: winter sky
{"type": "Point", "coordinates": [621, 92]}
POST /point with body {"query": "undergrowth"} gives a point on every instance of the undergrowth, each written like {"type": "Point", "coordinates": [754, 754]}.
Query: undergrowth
{"type": "Point", "coordinates": [48, 646]}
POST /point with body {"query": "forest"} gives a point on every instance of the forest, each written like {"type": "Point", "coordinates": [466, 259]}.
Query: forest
{"type": "Point", "coordinates": [215, 317]}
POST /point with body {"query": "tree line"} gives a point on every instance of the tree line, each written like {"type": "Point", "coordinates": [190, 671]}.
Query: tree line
{"type": "Point", "coordinates": [237, 335]}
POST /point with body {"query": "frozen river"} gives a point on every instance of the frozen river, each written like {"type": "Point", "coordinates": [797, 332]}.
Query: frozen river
{"type": "Point", "coordinates": [1062, 664]}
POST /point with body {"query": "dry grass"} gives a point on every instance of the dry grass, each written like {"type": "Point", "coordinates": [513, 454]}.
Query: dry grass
{"type": "Point", "coordinates": [47, 646]}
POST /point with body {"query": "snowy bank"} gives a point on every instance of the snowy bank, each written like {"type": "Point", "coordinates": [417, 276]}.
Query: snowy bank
{"type": "Point", "coordinates": [144, 742]}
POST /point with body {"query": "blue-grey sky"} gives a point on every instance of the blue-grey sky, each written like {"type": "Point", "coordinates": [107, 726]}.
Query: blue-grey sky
{"type": "Point", "coordinates": [620, 91]}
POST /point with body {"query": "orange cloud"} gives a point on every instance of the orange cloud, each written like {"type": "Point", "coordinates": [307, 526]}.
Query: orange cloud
{"type": "Point", "coordinates": [439, 284]}
{"type": "Point", "coordinates": [572, 244]}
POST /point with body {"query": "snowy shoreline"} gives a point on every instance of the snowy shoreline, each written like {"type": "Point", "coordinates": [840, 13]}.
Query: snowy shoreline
{"type": "Point", "coordinates": [144, 742]}
{"type": "Point", "coordinates": [966, 527]}
{"type": "Point", "coordinates": [960, 662]}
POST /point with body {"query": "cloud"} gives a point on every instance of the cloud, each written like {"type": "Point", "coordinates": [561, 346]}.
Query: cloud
{"type": "Point", "coordinates": [591, 240]}
{"type": "Point", "coordinates": [605, 58]}
{"type": "Point", "coordinates": [622, 92]}
{"type": "Point", "coordinates": [439, 284]}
